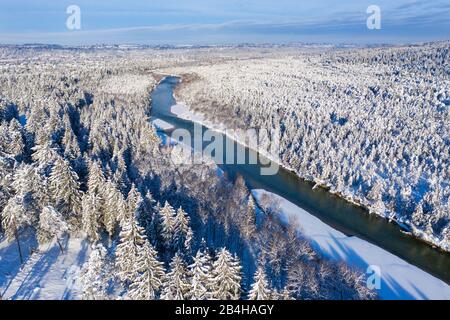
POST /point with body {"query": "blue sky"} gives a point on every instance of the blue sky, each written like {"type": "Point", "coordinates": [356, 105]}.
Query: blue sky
{"type": "Point", "coordinates": [223, 21]}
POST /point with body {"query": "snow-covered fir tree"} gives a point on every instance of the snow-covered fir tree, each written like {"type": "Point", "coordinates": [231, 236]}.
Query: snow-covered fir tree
{"type": "Point", "coordinates": [154, 228]}
{"type": "Point", "coordinates": [44, 155]}
{"type": "Point", "coordinates": [135, 204]}
{"type": "Point", "coordinates": [64, 187]}
{"type": "Point", "coordinates": [182, 232]}
{"type": "Point", "coordinates": [16, 143]}
{"type": "Point", "coordinates": [96, 181]}
{"type": "Point", "coordinates": [132, 237]}
{"type": "Point", "coordinates": [114, 207]}
{"type": "Point", "coordinates": [284, 295]}
{"type": "Point", "coordinates": [134, 198]}
{"type": "Point", "coordinates": [177, 286]}
{"type": "Point", "coordinates": [120, 176]}
{"type": "Point", "coordinates": [149, 274]}
{"type": "Point", "coordinates": [95, 275]}
{"type": "Point", "coordinates": [51, 226]}
{"type": "Point", "coordinates": [250, 219]}
{"type": "Point", "coordinates": [200, 275]}
{"type": "Point", "coordinates": [146, 212]}
{"type": "Point", "coordinates": [226, 277]}
{"type": "Point", "coordinates": [167, 216]}
{"type": "Point", "coordinates": [31, 186]}
{"type": "Point", "coordinates": [70, 140]}
{"type": "Point", "coordinates": [260, 289]}
{"type": "Point", "coordinates": [90, 215]}
{"type": "Point", "coordinates": [14, 217]}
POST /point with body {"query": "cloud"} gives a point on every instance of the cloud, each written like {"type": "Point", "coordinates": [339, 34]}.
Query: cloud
{"type": "Point", "coordinates": [257, 21]}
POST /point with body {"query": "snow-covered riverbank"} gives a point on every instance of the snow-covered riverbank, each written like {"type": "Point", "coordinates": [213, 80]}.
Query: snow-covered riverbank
{"type": "Point", "coordinates": [182, 111]}
{"type": "Point", "coordinates": [162, 125]}
{"type": "Point", "coordinates": [399, 279]}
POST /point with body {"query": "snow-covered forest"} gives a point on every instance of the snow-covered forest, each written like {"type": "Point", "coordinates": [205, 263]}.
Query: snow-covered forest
{"type": "Point", "coordinates": [81, 162]}
{"type": "Point", "coordinates": [370, 124]}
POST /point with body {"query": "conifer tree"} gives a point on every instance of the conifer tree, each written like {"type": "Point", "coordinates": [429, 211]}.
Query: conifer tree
{"type": "Point", "coordinates": [147, 211]}
{"type": "Point", "coordinates": [97, 186]}
{"type": "Point", "coordinates": [44, 155]}
{"type": "Point", "coordinates": [70, 142]}
{"type": "Point", "coordinates": [16, 144]}
{"type": "Point", "coordinates": [182, 232]}
{"type": "Point", "coordinates": [131, 238]}
{"type": "Point", "coordinates": [134, 198]}
{"type": "Point", "coordinates": [114, 207]}
{"type": "Point", "coordinates": [177, 285]}
{"type": "Point", "coordinates": [200, 273]}
{"type": "Point", "coordinates": [95, 275]}
{"type": "Point", "coordinates": [154, 229]}
{"type": "Point", "coordinates": [120, 175]}
{"type": "Point", "coordinates": [260, 289]}
{"type": "Point", "coordinates": [285, 295]}
{"type": "Point", "coordinates": [96, 180]}
{"type": "Point", "coordinates": [64, 187]}
{"type": "Point", "coordinates": [14, 217]}
{"type": "Point", "coordinates": [149, 274]}
{"type": "Point", "coordinates": [135, 204]}
{"type": "Point", "coordinates": [90, 216]}
{"type": "Point", "coordinates": [51, 225]}
{"type": "Point", "coordinates": [31, 186]}
{"type": "Point", "coordinates": [167, 216]}
{"type": "Point", "coordinates": [226, 277]}
{"type": "Point", "coordinates": [250, 219]}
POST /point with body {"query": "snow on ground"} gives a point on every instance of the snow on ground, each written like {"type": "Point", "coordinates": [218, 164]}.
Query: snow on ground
{"type": "Point", "coordinates": [400, 280]}
{"type": "Point", "coordinates": [183, 112]}
{"type": "Point", "coordinates": [162, 125]}
{"type": "Point", "coordinates": [47, 274]}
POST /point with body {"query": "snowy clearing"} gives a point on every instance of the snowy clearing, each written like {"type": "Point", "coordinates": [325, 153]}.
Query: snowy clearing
{"type": "Point", "coordinates": [400, 280]}
{"type": "Point", "coordinates": [46, 274]}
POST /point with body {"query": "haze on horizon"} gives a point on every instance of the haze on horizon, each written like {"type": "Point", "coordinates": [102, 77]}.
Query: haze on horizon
{"type": "Point", "coordinates": [222, 22]}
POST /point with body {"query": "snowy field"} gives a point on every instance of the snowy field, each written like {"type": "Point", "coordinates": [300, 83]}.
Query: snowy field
{"type": "Point", "coordinates": [400, 280]}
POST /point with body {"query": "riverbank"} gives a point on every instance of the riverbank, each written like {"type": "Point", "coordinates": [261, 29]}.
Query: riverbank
{"type": "Point", "coordinates": [399, 279]}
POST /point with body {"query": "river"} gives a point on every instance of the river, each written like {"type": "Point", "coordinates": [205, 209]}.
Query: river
{"type": "Point", "coordinates": [331, 209]}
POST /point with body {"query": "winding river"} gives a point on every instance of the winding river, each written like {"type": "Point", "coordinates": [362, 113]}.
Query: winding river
{"type": "Point", "coordinates": [333, 210]}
